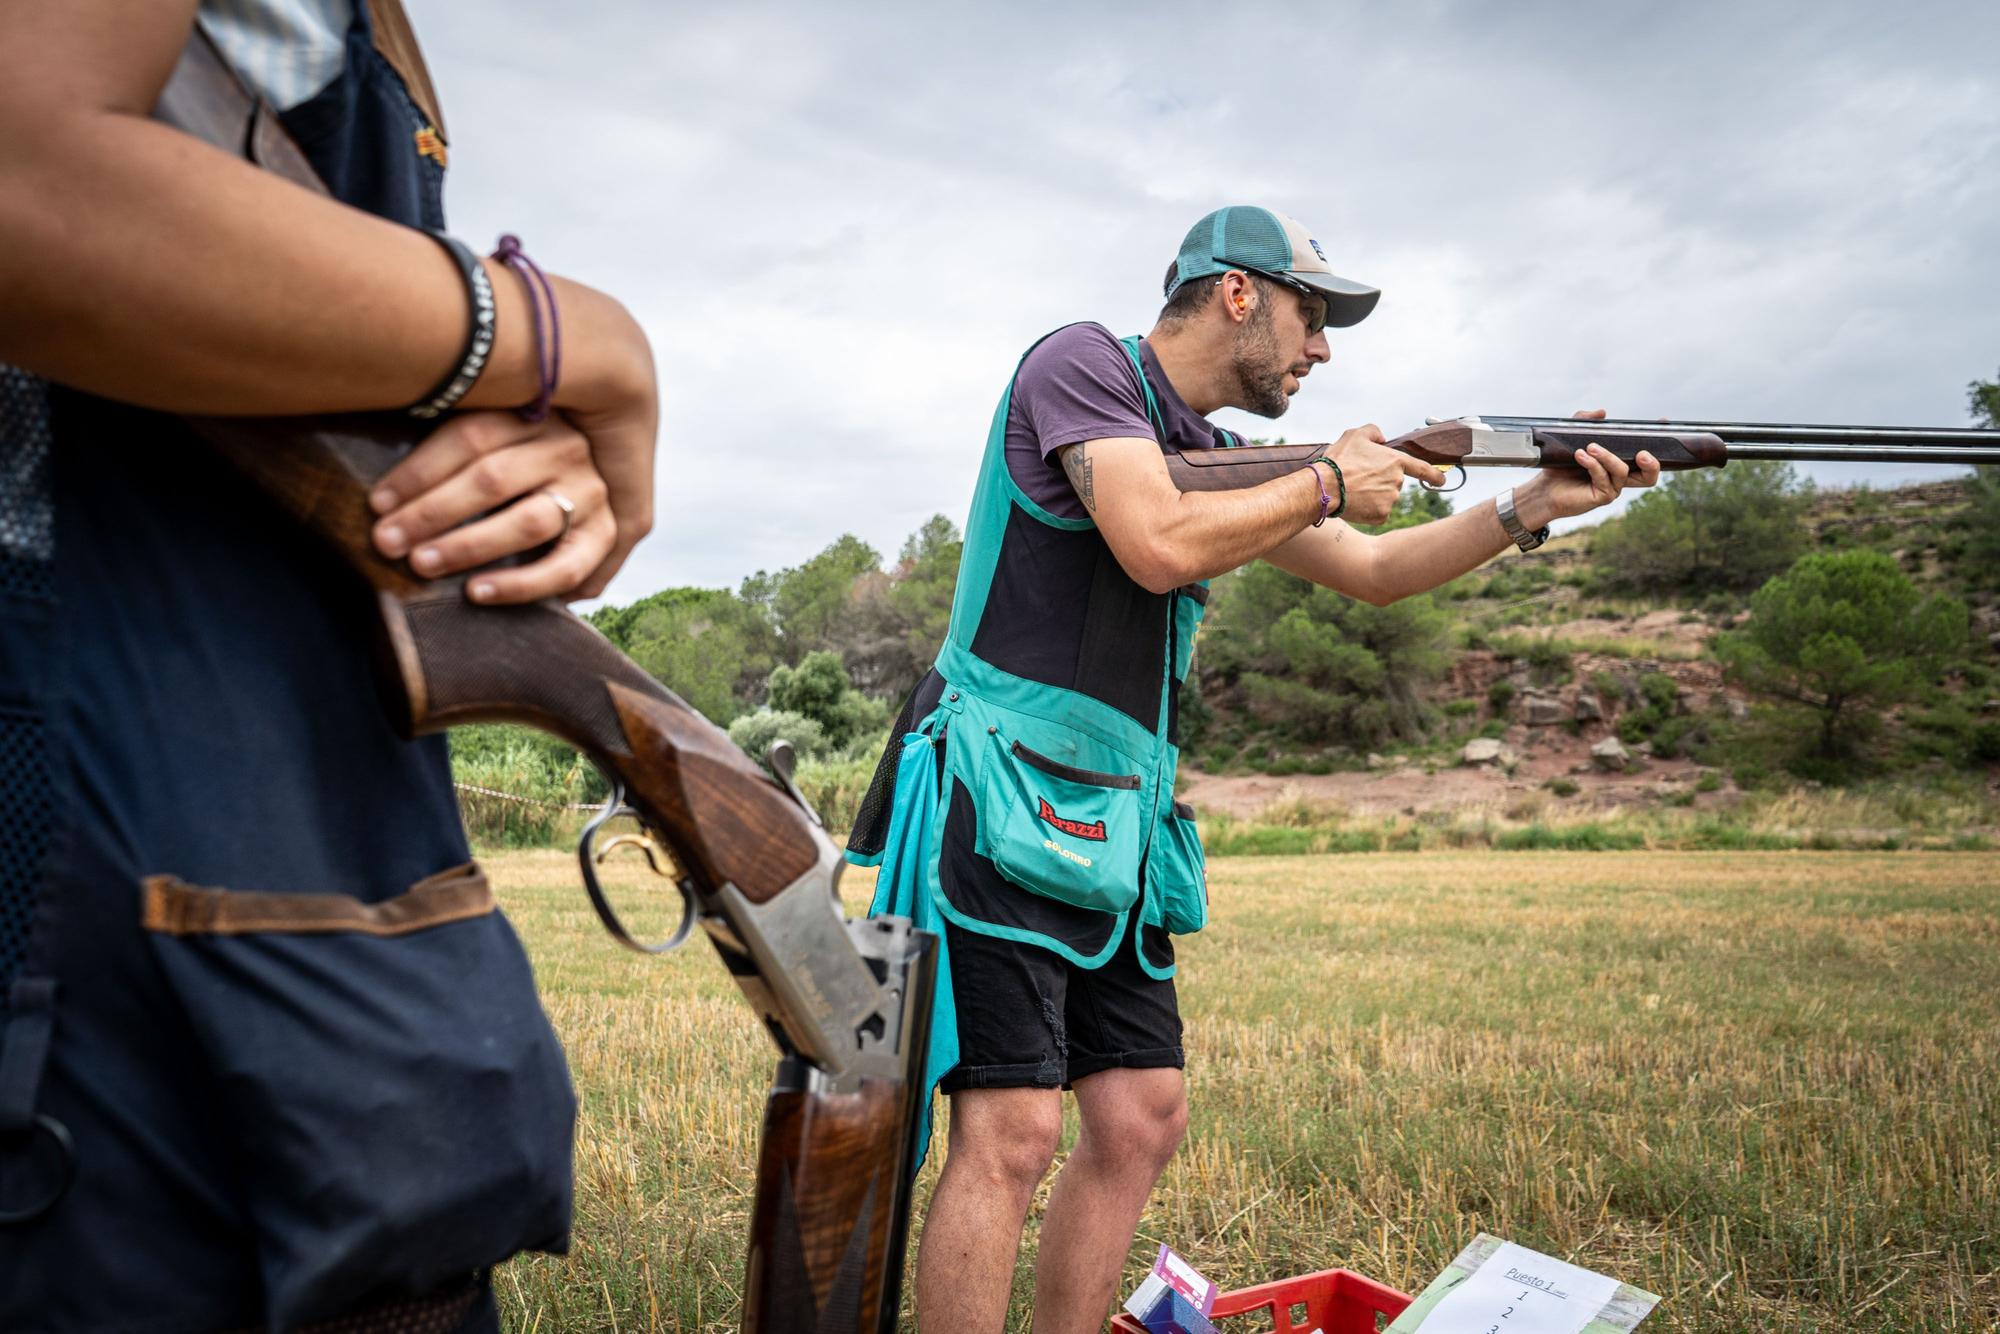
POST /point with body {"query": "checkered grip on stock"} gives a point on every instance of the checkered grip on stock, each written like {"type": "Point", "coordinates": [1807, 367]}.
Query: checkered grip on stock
{"type": "Point", "coordinates": [27, 546]}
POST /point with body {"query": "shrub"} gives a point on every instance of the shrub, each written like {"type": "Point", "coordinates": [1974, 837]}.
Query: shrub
{"type": "Point", "coordinates": [755, 732]}
{"type": "Point", "coordinates": [1986, 743]}
{"type": "Point", "coordinates": [818, 690]}
{"type": "Point", "coordinates": [1704, 530]}
{"type": "Point", "coordinates": [537, 779]}
{"type": "Point", "coordinates": [1573, 838]}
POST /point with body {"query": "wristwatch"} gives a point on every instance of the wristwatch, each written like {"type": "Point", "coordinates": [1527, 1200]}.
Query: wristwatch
{"type": "Point", "coordinates": [1527, 541]}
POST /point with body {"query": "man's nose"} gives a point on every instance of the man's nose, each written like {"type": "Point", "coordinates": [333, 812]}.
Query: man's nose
{"type": "Point", "coordinates": [1317, 348]}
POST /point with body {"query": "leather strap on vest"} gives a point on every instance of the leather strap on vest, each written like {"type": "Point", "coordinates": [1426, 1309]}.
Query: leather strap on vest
{"type": "Point", "coordinates": [397, 42]}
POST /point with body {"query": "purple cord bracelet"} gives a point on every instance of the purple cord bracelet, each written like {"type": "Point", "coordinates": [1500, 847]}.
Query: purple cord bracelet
{"type": "Point", "coordinates": [548, 329]}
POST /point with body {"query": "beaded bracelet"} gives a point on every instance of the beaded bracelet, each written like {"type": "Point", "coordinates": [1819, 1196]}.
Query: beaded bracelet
{"type": "Point", "coordinates": [1324, 499]}
{"type": "Point", "coordinates": [479, 331]}
{"type": "Point", "coordinates": [547, 320]}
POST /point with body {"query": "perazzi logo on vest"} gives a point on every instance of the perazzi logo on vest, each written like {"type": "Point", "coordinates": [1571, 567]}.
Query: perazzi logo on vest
{"type": "Point", "coordinates": [1094, 832]}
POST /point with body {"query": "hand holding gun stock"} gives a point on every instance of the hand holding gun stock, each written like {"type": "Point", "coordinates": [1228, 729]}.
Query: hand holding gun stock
{"type": "Point", "coordinates": [1552, 442]}
{"type": "Point", "coordinates": [847, 1002]}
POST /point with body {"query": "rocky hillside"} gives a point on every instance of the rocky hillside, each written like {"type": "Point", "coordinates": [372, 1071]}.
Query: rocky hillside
{"type": "Point", "coordinates": [1599, 701]}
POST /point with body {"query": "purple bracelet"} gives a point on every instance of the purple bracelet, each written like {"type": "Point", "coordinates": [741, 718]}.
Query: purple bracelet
{"type": "Point", "coordinates": [1325, 500]}
{"type": "Point", "coordinates": [548, 328]}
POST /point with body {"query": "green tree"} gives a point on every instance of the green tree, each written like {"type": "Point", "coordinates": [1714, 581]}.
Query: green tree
{"type": "Point", "coordinates": [926, 576]}
{"type": "Point", "coordinates": [1846, 634]}
{"type": "Point", "coordinates": [898, 619]}
{"type": "Point", "coordinates": [812, 604]}
{"type": "Point", "coordinates": [1980, 557]}
{"type": "Point", "coordinates": [1983, 398]}
{"type": "Point", "coordinates": [1315, 666]}
{"type": "Point", "coordinates": [1416, 504]}
{"type": "Point", "coordinates": [703, 644]}
{"type": "Point", "coordinates": [1706, 529]}
{"type": "Point", "coordinates": [1319, 667]}
{"type": "Point", "coordinates": [819, 689]}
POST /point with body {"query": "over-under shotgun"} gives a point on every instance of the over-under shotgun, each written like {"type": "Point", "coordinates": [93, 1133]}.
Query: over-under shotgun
{"type": "Point", "coordinates": [1552, 442]}
{"type": "Point", "coordinates": [847, 1001]}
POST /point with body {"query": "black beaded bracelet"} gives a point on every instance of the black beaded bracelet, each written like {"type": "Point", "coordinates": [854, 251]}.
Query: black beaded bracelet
{"type": "Point", "coordinates": [479, 329]}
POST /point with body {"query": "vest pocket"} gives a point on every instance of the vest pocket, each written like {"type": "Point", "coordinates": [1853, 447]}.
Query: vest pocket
{"type": "Point", "coordinates": [1177, 873]}
{"type": "Point", "coordinates": [1068, 833]}
{"type": "Point", "coordinates": [401, 1108]}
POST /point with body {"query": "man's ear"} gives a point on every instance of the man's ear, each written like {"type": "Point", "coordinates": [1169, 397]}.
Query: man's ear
{"type": "Point", "coordinates": [1239, 296]}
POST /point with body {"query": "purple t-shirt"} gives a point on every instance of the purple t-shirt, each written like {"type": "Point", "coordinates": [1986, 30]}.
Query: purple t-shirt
{"type": "Point", "coordinates": [1079, 385]}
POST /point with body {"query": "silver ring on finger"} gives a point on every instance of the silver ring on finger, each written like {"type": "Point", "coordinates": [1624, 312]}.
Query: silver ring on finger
{"type": "Point", "coordinates": [568, 508]}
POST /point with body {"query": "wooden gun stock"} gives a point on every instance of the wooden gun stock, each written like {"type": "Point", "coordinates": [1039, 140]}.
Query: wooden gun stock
{"type": "Point", "coordinates": [450, 662]}
{"type": "Point", "coordinates": [849, 1003]}
{"type": "Point", "coordinates": [1235, 469]}
{"type": "Point", "coordinates": [834, 1175]}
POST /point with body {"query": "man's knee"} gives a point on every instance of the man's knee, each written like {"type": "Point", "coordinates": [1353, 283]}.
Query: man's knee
{"type": "Point", "coordinates": [1143, 1125]}
{"type": "Point", "coordinates": [1009, 1136]}
{"type": "Point", "coordinates": [1157, 1129]}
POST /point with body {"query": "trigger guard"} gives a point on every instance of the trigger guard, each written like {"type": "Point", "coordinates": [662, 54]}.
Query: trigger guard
{"type": "Point", "coordinates": [614, 807]}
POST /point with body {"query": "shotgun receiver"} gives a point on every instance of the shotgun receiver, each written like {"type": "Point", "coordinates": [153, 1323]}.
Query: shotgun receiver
{"type": "Point", "coordinates": [1552, 442]}
{"type": "Point", "coordinates": [848, 1002]}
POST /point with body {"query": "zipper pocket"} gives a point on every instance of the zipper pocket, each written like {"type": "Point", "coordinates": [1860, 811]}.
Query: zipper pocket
{"type": "Point", "coordinates": [1069, 772]}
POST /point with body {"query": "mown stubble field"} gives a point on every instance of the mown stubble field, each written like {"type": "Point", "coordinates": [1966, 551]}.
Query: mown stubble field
{"type": "Point", "coordinates": [1764, 1085]}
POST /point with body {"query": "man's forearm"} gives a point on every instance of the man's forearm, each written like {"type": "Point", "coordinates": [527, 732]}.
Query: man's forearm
{"type": "Point", "coordinates": [1183, 536]}
{"type": "Point", "coordinates": [1382, 568]}
{"type": "Point", "coordinates": [1415, 560]}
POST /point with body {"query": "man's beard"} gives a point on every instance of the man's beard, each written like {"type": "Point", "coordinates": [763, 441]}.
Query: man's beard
{"type": "Point", "coordinates": [1260, 370]}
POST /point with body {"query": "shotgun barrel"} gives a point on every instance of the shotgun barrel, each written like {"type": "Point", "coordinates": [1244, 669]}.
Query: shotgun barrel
{"type": "Point", "coordinates": [1801, 441]}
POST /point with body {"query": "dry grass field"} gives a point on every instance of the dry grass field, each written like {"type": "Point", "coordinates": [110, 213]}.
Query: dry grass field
{"type": "Point", "coordinates": [1764, 1085]}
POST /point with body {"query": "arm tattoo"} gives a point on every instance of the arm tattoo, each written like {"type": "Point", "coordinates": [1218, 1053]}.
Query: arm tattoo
{"type": "Point", "coordinates": [1076, 462]}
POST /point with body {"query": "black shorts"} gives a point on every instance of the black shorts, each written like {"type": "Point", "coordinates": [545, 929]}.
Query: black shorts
{"type": "Point", "coordinates": [1029, 1018]}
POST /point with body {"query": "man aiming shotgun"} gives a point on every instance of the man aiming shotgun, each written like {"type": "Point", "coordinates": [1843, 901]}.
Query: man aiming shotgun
{"type": "Point", "coordinates": [1051, 847]}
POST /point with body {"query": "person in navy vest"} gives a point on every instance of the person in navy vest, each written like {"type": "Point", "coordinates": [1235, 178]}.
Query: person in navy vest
{"type": "Point", "coordinates": [271, 1127]}
{"type": "Point", "coordinates": [1061, 865]}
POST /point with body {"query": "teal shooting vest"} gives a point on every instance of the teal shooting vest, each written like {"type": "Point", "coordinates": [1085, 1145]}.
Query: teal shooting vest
{"type": "Point", "coordinates": [1051, 717]}
{"type": "Point", "coordinates": [1056, 723]}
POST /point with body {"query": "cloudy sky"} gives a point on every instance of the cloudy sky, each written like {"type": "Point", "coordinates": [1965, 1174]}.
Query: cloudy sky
{"type": "Point", "coordinates": [841, 224]}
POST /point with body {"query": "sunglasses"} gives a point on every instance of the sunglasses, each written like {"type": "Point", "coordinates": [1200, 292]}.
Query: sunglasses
{"type": "Point", "coordinates": [1316, 306]}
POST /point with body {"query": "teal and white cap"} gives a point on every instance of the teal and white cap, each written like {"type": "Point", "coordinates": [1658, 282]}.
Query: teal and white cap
{"type": "Point", "coordinates": [1258, 240]}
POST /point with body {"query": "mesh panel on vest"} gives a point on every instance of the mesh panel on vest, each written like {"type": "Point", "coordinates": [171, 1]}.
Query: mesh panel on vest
{"type": "Point", "coordinates": [27, 548]}
{"type": "Point", "coordinates": [27, 514]}
{"type": "Point", "coordinates": [25, 813]}
{"type": "Point", "coordinates": [871, 824]}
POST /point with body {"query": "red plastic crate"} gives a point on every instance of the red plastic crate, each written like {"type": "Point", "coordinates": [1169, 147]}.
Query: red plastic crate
{"type": "Point", "coordinates": [1337, 1301]}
